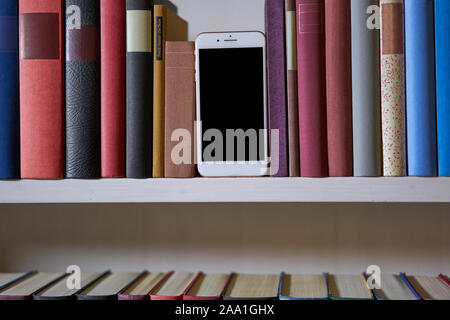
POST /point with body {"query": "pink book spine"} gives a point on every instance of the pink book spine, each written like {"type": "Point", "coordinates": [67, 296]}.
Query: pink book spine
{"type": "Point", "coordinates": [311, 88]}
{"type": "Point", "coordinates": [339, 87]}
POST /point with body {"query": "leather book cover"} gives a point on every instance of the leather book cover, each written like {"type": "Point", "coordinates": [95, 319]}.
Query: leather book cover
{"type": "Point", "coordinates": [311, 88]}
{"type": "Point", "coordinates": [420, 83]}
{"type": "Point", "coordinates": [139, 89]}
{"type": "Point", "coordinates": [41, 89]}
{"type": "Point", "coordinates": [366, 91]}
{"type": "Point", "coordinates": [167, 26]}
{"type": "Point", "coordinates": [292, 87]}
{"type": "Point", "coordinates": [112, 58]}
{"type": "Point", "coordinates": [442, 30]}
{"type": "Point", "coordinates": [179, 108]}
{"type": "Point", "coordinates": [392, 89]}
{"type": "Point", "coordinates": [276, 84]}
{"type": "Point", "coordinates": [427, 288]}
{"type": "Point", "coordinates": [339, 87]}
{"type": "Point", "coordinates": [82, 89]}
{"type": "Point", "coordinates": [9, 91]}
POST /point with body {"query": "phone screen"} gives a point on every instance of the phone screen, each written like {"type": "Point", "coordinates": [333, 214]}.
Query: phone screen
{"type": "Point", "coordinates": [232, 98]}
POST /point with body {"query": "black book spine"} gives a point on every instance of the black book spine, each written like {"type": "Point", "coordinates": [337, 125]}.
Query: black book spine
{"type": "Point", "coordinates": [139, 88]}
{"type": "Point", "coordinates": [82, 89]}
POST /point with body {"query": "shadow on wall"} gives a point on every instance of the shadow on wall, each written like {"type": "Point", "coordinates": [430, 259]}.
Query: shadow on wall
{"type": "Point", "coordinates": [226, 237]}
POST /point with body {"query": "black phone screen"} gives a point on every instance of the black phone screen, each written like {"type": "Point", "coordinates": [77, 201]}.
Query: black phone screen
{"type": "Point", "coordinates": [232, 103]}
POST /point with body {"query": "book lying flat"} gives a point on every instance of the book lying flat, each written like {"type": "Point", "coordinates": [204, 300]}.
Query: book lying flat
{"type": "Point", "coordinates": [27, 286]}
{"type": "Point", "coordinates": [348, 287]}
{"type": "Point", "coordinates": [392, 88]}
{"type": "Point", "coordinates": [144, 286]}
{"type": "Point", "coordinates": [7, 279]}
{"type": "Point", "coordinates": [167, 26]}
{"type": "Point", "coordinates": [109, 286]}
{"type": "Point", "coordinates": [420, 81]}
{"type": "Point", "coordinates": [394, 288]}
{"type": "Point", "coordinates": [60, 291]}
{"type": "Point", "coordinates": [303, 287]}
{"type": "Point", "coordinates": [175, 287]}
{"type": "Point", "coordinates": [252, 287]}
{"type": "Point", "coordinates": [428, 288]}
{"type": "Point", "coordinates": [442, 30]}
{"type": "Point", "coordinates": [312, 104]}
{"type": "Point", "coordinates": [41, 77]}
{"type": "Point", "coordinates": [444, 279]}
{"type": "Point", "coordinates": [208, 287]}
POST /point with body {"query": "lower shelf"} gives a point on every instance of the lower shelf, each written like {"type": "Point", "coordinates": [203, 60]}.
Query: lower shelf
{"type": "Point", "coordinates": [278, 190]}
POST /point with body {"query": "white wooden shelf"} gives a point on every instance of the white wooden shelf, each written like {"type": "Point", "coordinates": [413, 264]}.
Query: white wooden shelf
{"type": "Point", "coordinates": [366, 190]}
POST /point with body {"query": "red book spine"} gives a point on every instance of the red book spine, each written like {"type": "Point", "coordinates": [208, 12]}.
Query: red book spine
{"type": "Point", "coordinates": [113, 27]}
{"type": "Point", "coordinates": [41, 89]}
{"type": "Point", "coordinates": [311, 88]}
{"type": "Point", "coordinates": [155, 296]}
{"type": "Point", "coordinates": [339, 87]}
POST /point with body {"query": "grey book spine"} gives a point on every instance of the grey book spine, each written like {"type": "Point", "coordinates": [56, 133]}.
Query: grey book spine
{"type": "Point", "coordinates": [366, 89]}
{"type": "Point", "coordinates": [139, 88]}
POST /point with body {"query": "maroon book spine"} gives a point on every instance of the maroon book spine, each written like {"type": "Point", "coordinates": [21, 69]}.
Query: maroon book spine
{"type": "Point", "coordinates": [312, 88]}
{"type": "Point", "coordinates": [276, 85]}
{"type": "Point", "coordinates": [339, 87]}
{"type": "Point", "coordinates": [113, 28]}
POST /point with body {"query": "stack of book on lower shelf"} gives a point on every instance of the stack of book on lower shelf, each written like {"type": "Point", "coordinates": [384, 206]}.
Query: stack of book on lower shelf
{"type": "Point", "coordinates": [200, 286]}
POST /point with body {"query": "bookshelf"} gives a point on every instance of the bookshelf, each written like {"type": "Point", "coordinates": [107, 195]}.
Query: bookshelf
{"type": "Point", "coordinates": [253, 225]}
{"type": "Point", "coordinates": [234, 190]}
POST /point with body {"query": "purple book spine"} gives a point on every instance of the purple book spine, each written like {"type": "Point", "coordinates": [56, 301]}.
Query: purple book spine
{"type": "Point", "coordinates": [276, 83]}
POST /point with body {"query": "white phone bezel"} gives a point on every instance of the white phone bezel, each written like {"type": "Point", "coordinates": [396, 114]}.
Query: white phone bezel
{"type": "Point", "coordinates": [222, 40]}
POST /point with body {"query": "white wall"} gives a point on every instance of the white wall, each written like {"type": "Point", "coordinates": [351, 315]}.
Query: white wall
{"type": "Point", "coordinates": [223, 237]}
{"type": "Point", "coordinates": [221, 15]}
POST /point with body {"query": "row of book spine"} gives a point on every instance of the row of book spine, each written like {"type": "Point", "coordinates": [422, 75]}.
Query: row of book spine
{"type": "Point", "coordinates": [360, 87]}
{"type": "Point", "coordinates": [200, 286]}
{"type": "Point", "coordinates": [82, 87]}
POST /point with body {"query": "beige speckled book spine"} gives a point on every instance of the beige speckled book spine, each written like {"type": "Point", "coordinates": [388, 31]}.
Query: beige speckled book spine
{"type": "Point", "coordinates": [392, 88]}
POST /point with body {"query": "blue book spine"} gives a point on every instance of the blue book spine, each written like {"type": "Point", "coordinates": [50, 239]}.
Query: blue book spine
{"type": "Point", "coordinates": [442, 23]}
{"type": "Point", "coordinates": [409, 285]}
{"type": "Point", "coordinates": [9, 91]}
{"type": "Point", "coordinates": [420, 87]}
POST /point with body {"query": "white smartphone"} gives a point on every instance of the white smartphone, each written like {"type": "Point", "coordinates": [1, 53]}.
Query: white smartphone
{"type": "Point", "coordinates": [232, 130]}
